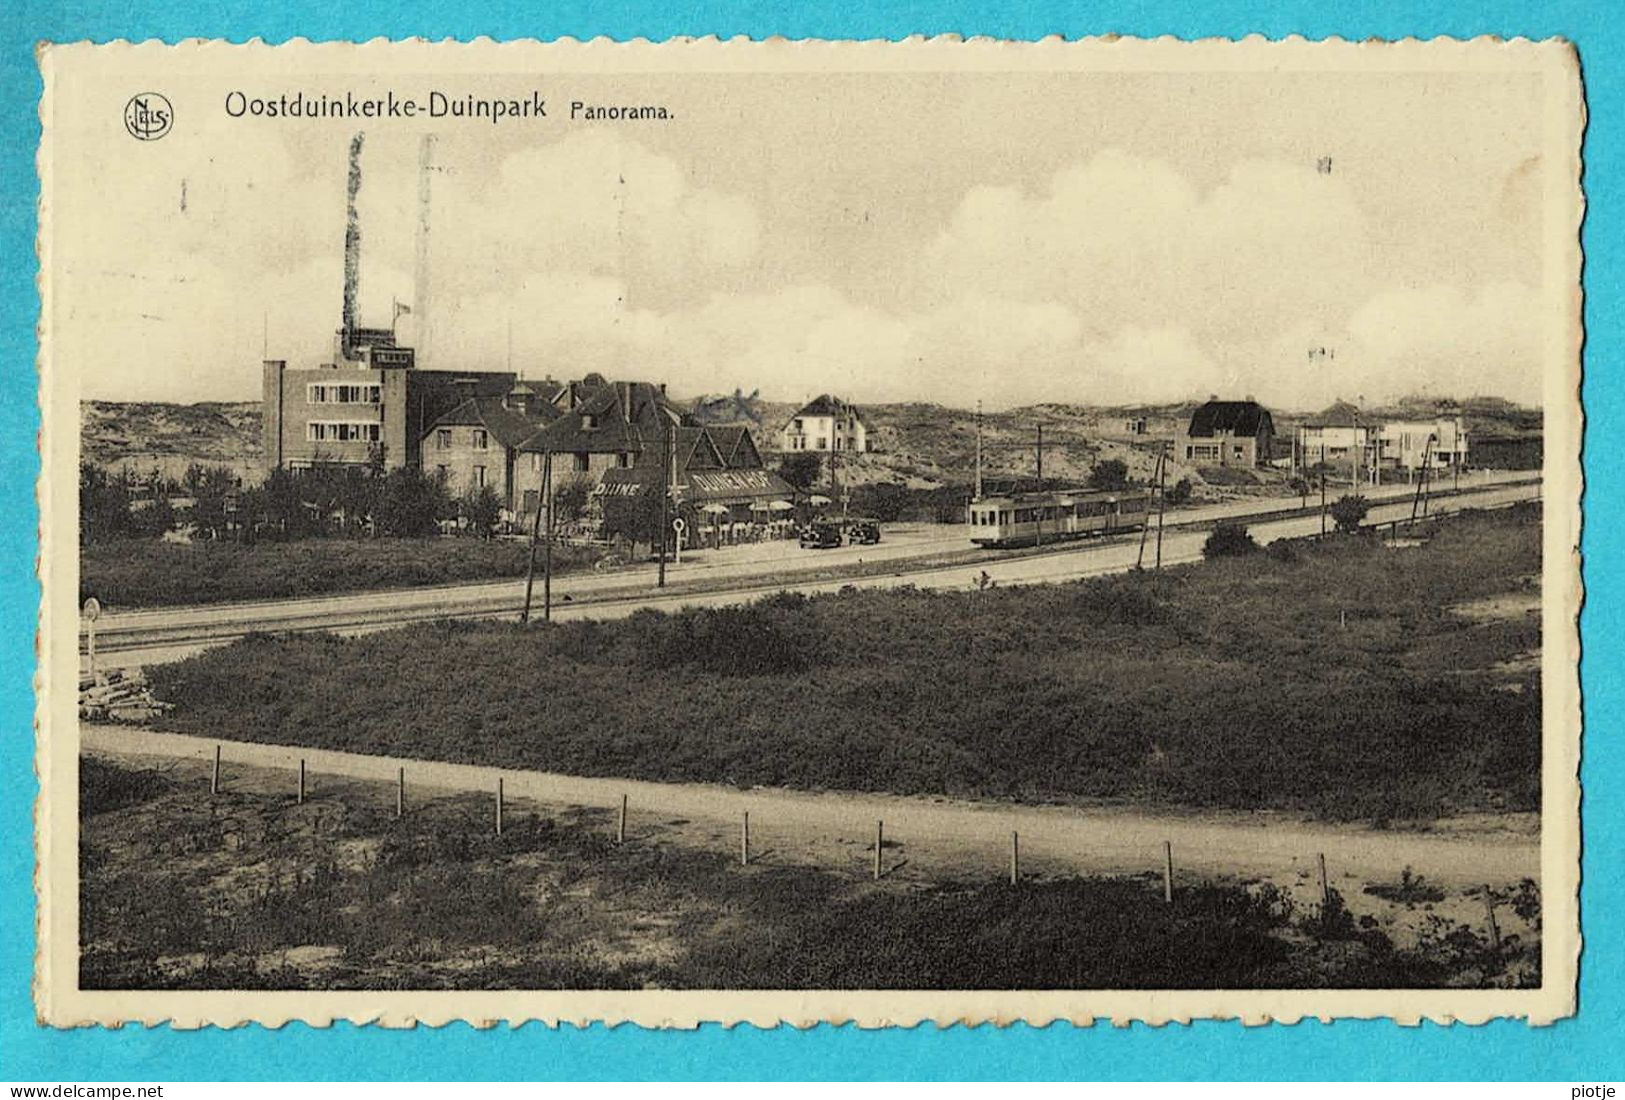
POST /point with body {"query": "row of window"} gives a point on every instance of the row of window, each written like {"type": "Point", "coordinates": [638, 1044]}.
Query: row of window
{"type": "Point", "coordinates": [342, 431]}
{"type": "Point", "coordinates": [343, 393]}
{"type": "Point", "coordinates": [480, 438]}
{"type": "Point", "coordinates": [476, 474]}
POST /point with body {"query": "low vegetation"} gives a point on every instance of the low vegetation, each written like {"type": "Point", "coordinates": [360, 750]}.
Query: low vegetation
{"type": "Point", "coordinates": [249, 891]}
{"type": "Point", "coordinates": [147, 573]}
{"type": "Point", "coordinates": [1334, 680]}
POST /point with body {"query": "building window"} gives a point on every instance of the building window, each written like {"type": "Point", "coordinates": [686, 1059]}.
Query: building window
{"type": "Point", "coordinates": [535, 463]}
{"type": "Point", "coordinates": [343, 393]}
{"type": "Point", "coordinates": [588, 422]}
{"type": "Point", "coordinates": [479, 477]}
{"type": "Point", "coordinates": [581, 462]}
{"type": "Point", "coordinates": [442, 439]}
{"type": "Point", "coordinates": [623, 459]}
{"type": "Point", "coordinates": [482, 439]}
{"type": "Point", "coordinates": [342, 431]}
{"type": "Point", "coordinates": [823, 444]}
{"type": "Point", "coordinates": [443, 472]}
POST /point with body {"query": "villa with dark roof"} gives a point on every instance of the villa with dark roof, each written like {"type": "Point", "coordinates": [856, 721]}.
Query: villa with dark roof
{"type": "Point", "coordinates": [476, 444]}
{"type": "Point", "coordinates": [1227, 433]}
{"type": "Point", "coordinates": [825, 423]}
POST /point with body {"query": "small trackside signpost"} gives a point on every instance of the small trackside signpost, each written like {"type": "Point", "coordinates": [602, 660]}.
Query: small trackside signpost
{"type": "Point", "coordinates": [677, 526]}
{"type": "Point", "coordinates": [92, 612]}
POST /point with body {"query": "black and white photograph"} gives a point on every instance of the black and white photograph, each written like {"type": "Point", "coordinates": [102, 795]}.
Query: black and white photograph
{"type": "Point", "coordinates": [824, 531]}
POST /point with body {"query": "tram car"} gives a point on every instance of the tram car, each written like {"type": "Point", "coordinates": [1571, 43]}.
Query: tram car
{"type": "Point", "coordinates": [1027, 519]}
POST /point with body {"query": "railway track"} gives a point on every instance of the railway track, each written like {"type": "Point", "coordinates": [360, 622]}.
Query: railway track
{"type": "Point", "coordinates": [132, 643]}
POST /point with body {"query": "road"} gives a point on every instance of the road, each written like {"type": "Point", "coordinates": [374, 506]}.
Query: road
{"type": "Point", "coordinates": [928, 838]}
{"type": "Point", "coordinates": [743, 573]}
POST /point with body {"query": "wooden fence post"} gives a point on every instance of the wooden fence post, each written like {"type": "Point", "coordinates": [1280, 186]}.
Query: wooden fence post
{"type": "Point", "coordinates": [620, 825]}
{"type": "Point", "coordinates": [1015, 858]}
{"type": "Point", "coordinates": [301, 798]}
{"type": "Point", "coordinates": [1495, 929]}
{"type": "Point", "coordinates": [880, 841]}
{"type": "Point", "coordinates": [400, 792]}
{"type": "Point", "coordinates": [1325, 887]}
{"type": "Point", "coordinates": [499, 805]}
{"type": "Point", "coordinates": [744, 841]}
{"type": "Point", "coordinates": [214, 776]}
{"type": "Point", "coordinates": [1168, 871]}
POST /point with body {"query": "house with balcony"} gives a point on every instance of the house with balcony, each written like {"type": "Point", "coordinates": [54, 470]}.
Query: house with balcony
{"type": "Point", "coordinates": [825, 424]}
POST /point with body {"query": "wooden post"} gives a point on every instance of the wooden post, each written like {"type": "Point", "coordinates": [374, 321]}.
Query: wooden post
{"type": "Point", "coordinates": [499, 805]}
{"type": "Point", "coordinates": [1495, 929]}
{"type": "Point", "coordinates": [400, 792]}
{"type": "Point", "coordinates": [1168, 871]}
{"type": "Point", "coordinates": [1325, 887]}
{"type": "Point", "coordinates": [214, 776]}
{"type": "Point", "coordinates": [880, 841]}
{"type": "Point", "coordinates": [744, 841]}
{"type": "Point", "coordinates": [1015, 858]}
{"type": "Point", "coordinates": [301, 781]}
{"type": "Point", "coordinates": [547, 547]}
{"type": "Point", "coordinates": [620, 826]}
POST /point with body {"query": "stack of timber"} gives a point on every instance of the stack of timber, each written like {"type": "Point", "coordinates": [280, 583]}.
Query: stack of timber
{"type": "Point", "coordinates": [119, 695]}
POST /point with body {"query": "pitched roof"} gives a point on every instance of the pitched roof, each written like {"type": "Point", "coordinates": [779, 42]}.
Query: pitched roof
{"type": "Point", "coordinates": [1236, 417]}
{"type": "Point", "coordinates": [736, 446]}
{"type": "Point", "coordinates": [1339, 414]}
{"type": "Point", "coordinates": [825, 405]}
{"type": "Point", "coordinates": [508, 426]}
{"type": "Point", "coordinates": [611, 418]}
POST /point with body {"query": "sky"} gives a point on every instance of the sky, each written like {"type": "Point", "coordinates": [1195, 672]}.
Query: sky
{"type": "Point", "coordinates": [1099, 238]}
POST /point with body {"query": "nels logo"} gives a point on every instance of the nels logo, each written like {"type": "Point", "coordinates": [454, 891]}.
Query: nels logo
{"type": "Point", "coordinates": [148, 116]}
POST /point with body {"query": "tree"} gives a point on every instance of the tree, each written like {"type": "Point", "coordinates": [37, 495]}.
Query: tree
{"type": "Point", "coordinates": [208, 486]}
{"type": "Point", "coordinates": [104, 504]}
{"type": "Point", "coordinates": [801, 469]}
{"type": "Point", "coordinates": [1228, 540]}
{"type": "Point", "coordinates": [412, 503]}
{"type": "Point", "coordinates": [1349, 512]}
{"type": "Point", "coordinates": [1181, 491]}
{"type": "Point", "coordinates": [570, 500]}
{"type": "Point", "coordinates": [483, 507]}
{"type": "Point", "coordinates": [634, 518]}
{"type": "Point", "coordinates": [1109, 476]}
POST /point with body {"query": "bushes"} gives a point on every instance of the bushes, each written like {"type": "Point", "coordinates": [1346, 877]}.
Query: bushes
{"type": "Point", "coordinates": [1348, 512]}
{"type": "Point", "coordinates": [1213, 685]}
{"type": "Point", "coordinates": [1228, 540]}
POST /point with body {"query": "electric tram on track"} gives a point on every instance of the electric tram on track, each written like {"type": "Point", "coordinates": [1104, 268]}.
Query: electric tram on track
{"type": "Point", "coordinates": [1028, 519]}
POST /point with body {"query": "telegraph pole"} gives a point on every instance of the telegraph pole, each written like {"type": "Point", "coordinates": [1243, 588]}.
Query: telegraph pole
{"type": "Point", "coordinates": [547, 570]}
{"type": "Point", "coordinates": [665, 501]}
{"type": "Point", "coordinates": [1040, 458]}
{"type": "Point", "coordinates": [1162, 499]}
{"type": "Point", "coordinates": [978, 495]}
{"type": "Point", "coordinates": [535, 534]}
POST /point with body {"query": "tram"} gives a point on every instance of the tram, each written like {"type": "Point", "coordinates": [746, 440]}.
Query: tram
{"type": "Point", "coordinates": [1028, 519]}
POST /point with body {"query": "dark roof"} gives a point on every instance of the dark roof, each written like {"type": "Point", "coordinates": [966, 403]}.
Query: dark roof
{"type": "Point", "coordinates": [695, 451]}
{"type": "Point", "coordinates": [1339, 414]}
{"type": "Point", "coordinates": [625, 416]}
{"type": "Point", "coordinates": [825, 405]}
{"type": "Point", "coordinates": [508, 426]}
{"type": "Point", "coordinates": [1235, 417]}
{"type": "Point", "coordinates": [736, 446]}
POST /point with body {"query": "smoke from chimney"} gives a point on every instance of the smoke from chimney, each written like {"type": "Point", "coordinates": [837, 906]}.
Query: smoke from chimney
{"type": "Point", "coordinates": [352, 246]}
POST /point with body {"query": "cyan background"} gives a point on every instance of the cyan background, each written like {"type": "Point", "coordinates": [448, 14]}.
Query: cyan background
{"type": "Point", "coordinates": [1587, 1047]}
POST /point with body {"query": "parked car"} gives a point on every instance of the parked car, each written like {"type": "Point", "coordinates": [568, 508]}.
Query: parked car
{"type": "Point", "coordinates": [863, 532]}
{"type": "Point", "coordinates": [820, 536]}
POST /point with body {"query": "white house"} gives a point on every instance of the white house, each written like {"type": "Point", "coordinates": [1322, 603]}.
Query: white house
{"type": "Point", "coordinates": [825, 424]}
{"type": "Point", "coordinates": [1440, 443]}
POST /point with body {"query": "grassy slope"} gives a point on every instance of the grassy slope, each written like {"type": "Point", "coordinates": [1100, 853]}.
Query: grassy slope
{"type": "Point", "coordinates": [249, 891]}
{"type": "Point", "coordinates": [1225, 684]}
{"type": "Point", "coordinates": [147, 573]}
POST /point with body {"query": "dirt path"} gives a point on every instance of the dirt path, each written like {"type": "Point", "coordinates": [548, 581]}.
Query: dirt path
{"type": "Point", "coordinates": [927, 838]}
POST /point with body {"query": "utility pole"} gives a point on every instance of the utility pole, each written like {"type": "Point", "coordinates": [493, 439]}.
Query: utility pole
{"type": "Point", "coordinates": [978, 495]}
{"type": "Point", "coordinates": [1145, 529]}
{"type": "Point", "coordinates": [1162, 499]}
{"type": "Point", "coordinates": [665, 500]}
{"type": "Point", "coordinates": [1421, 482]}
{"type": "Point", "coordinates": [535, 535]}
{"type": "Point", "coordinates": [1040, 458]}
{"type": "Point", "coordinates": [547, 502]}
{"type": "Point", "coordinates": [1323, 488]}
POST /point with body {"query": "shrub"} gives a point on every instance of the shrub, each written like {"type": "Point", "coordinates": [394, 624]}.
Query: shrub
{"type": "Point", "coordinates": [1349, 512]}
{"type": "Point", "coordinates": [1109, 476]}
{"type": "Point", "coordinates": [1180, 492]}
{"type": "Point", "coordinates": [1229, 540]}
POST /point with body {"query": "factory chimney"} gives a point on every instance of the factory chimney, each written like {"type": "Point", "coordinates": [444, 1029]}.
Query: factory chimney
{"type": "Point", "coordinates": [352, 248]}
